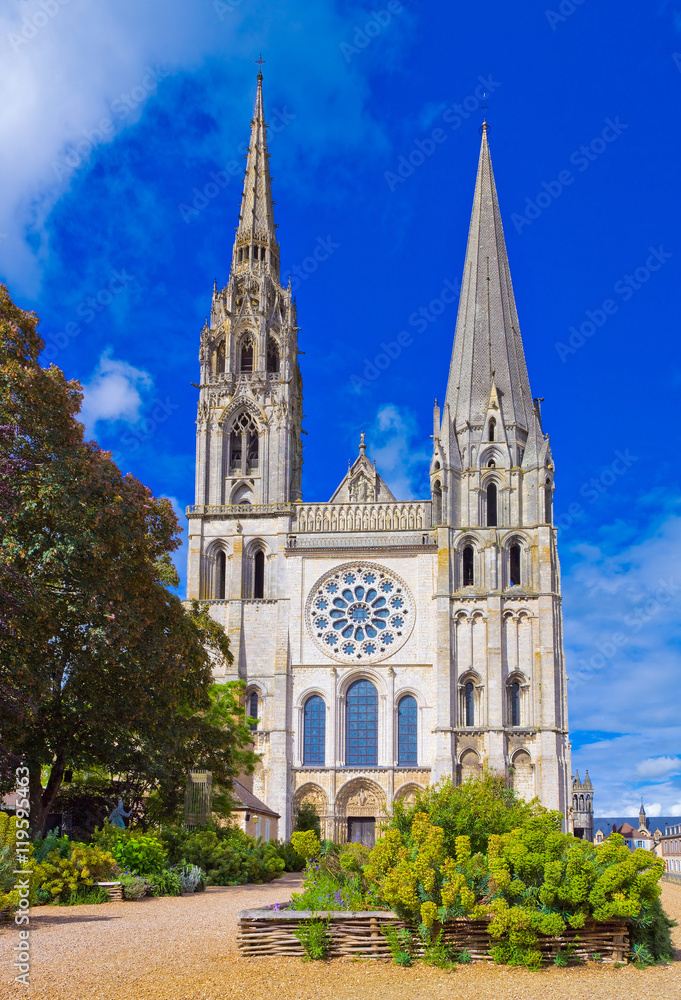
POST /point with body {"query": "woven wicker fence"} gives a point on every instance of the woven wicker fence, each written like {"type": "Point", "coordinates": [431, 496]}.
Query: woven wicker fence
{"type": "Point", "coordinates": [268, 932]}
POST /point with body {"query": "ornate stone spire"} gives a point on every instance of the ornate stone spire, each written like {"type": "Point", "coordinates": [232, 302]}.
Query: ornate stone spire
{"type": "Point", "coordinates": [255, 246]}
{"type": "Point", "coordinates": [488, 348]}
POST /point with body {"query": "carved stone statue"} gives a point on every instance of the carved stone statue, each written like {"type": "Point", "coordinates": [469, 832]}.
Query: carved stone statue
{"type": "Point", "coordinates": [119, 816]}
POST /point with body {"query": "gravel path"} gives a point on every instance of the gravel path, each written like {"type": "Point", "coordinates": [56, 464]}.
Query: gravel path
{"type": "Point", "coordinates": [184, 949]}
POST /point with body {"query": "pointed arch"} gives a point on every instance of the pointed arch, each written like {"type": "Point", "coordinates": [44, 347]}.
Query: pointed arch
{"type": "Point", "coordinates": [244, 445]}
{"type": "Point", "coordinates": [491, 429]}
{"type": "Point", "coordinates": [468, 565]}
{"type": "Point", "coordinates": [273, 358]}
{"type": "Point", "coordinates": [437, 502]}
{"type": "Point", "coordinates": [492, 505]}
{"type": "Point", "coordinates": [246, 355]}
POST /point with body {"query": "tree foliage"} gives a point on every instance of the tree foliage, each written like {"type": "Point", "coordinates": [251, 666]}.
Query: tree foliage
{"type": "Point", "coordinates": [101, 666]}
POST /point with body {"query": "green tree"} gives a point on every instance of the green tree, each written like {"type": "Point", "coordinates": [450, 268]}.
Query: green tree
{"type": "Point", "coordinates": [101, 666]}
{"type": "Point", "coordinates": [307, 818]}
{"type": "Point", "coordinates": [476, 809]}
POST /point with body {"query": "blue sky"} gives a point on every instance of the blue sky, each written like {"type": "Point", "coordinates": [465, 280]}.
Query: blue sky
{"type": "Point", "coordinates": [115, 118]}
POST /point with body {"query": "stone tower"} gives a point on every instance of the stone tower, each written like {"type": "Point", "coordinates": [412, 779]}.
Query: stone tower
{"type": "Point", "coordinates": [502, 677]}
{"type": "Point", "coordinates": [250, 405]}
{"type": "Point", "coordinates": [583, 807]}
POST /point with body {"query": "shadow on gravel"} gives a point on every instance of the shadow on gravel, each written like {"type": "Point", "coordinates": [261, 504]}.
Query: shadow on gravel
{"type": "Point", "coordinates": [42, 919]}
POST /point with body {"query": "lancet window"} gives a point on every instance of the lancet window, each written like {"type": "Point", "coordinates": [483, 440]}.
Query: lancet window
{"type": "Point", "coordinates": [243, 445]}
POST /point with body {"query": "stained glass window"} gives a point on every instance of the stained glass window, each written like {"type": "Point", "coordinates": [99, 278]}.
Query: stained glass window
{"type": "Point", "coordinates": [314, 731]}
{"type": "Point", "coordinates": [407, 755]}
{"type": "Point", "coordinates": [515, 704]}
{"type": "Point", "coordinates": [469, 694]}
{"type": "Point", "coordinates": [253, 709]}
{"type": "Point", "coordinates": [361, 725]}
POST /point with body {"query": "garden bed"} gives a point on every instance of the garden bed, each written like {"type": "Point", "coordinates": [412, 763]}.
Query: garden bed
{"type": "Point", "coordinates": [272, 932]}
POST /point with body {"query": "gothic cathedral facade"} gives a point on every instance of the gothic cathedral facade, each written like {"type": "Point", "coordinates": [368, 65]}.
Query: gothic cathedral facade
{"type": "Point", "coordinates": [384, 644]}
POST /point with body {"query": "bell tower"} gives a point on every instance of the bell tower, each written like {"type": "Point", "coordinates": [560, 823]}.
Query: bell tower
{"type": "Point", "coordinates": [492, 478]}
{"type": "Point", "coordinates": [250, 405]}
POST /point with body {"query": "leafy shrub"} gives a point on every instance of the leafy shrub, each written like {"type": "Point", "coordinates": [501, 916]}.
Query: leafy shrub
{"type": "Point", "coordinates": [401, 943]}
{"type": "Point", "coordinates": [314, 936]}
{"type": "Point", "coordinates": [164, 883]}
{"type": "Point", "coordinates": [306, 843]}
{"type": "Point", "coordinates": [438, 952]}
{"type": "Point", "coordinates": [44, 846]}
{"type": "Point", "coordinates": [651, 935]}
{"type": "Point", "coordinates": [133, 885]}
{"type": "Point", "coordinates": [475, 809]}
{"type": "Point", "coordinates": [533, 880]}
{"type": "Point", "coordinates": [10, 862]}
{"type": "Point", "coordinates": [336, 881]}
{"type": "Point", "coordinates": [293, 862]}
{"type": "Point", "coordinates": [232, 861]}
{"type": "Point", "coordinates": [191, 877]}
{"type": "Point", "coordinates": [87, 897]}
{"type": "Point", "coordinates": [84, 866]}
{"type": "Point", "coordinates": [140, 852]}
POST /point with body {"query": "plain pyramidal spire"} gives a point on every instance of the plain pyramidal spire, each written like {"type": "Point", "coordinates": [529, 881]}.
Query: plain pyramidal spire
{"type": "Point", "coordinates": [488, 348]}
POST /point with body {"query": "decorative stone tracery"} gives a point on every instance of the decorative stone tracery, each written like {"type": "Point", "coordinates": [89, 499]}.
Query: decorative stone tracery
{"type": "Point", "coordinates": [360, 612]}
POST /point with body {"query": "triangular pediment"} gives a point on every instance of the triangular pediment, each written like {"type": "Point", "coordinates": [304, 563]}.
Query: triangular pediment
{"type": "Point", "coordinates": [362, 483]}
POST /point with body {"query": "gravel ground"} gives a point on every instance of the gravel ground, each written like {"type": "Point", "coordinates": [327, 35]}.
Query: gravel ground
{"type": "Point", "coordinates": [185, 948]}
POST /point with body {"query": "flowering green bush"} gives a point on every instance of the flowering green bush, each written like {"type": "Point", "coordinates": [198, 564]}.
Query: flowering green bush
{"type": "Point", "coordinates": [306, 843]}
{"type": "Point", "coordinates": [60, 877]}
{"type": "Point", "coordinates": [10, 863]}
{"type": "Point", "coordinates": [533, 880]}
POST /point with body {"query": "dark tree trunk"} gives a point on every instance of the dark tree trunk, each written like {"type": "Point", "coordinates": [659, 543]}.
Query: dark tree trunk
{"type": "Point", "coordinates": [42, 798]}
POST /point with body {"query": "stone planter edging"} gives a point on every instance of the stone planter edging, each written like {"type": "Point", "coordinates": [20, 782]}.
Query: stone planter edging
{"type": "Point", "coordinates": [263, 932]}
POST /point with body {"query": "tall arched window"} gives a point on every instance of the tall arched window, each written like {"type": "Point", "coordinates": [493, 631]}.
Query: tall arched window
{"type": "Point", "coordinates": [492, 426]}
{"type": "Point", "coordinates": [492, 505]}
{"type": "Point", "coordinates": [515, 704]}
{"type": "Point", "coordinates": [361, 725]}
{"type": "Point", "coordinates": [221, 574]}
{"type": "Point", "coordinates": [259, 574]}
{"type": "Point", "coordinates": [272, 355]}
{"type": "Point", "coordinates": [253, 709]}
{"type": "Point", "coordinates": [469, 700]}
{"type": "Point", "coordinates": [514, 561]}
{"type": "Point", "coordinates": [407, 725]}
{"type": "Point", "coordinates": [246, 358]}
{"type": "Point", "coordinates": [220, 359]}
{"type": "Point", "coordinates": [548, 502]}
{"type": "Point", "coordinates": [314, 732]}
{"type": "Point", "coordinates": [437, 502]}
{"type": "Point", "coordinates": [243, 445]}
{"type": "Point", "coordinates": [468, 566]}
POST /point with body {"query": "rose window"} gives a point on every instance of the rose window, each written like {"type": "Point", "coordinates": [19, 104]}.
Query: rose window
{"type": "Point", "coordinates": [360, 612]}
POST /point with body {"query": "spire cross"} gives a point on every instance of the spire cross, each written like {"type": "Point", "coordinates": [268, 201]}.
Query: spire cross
{"type": "Point", "coordinates": [259, 63]}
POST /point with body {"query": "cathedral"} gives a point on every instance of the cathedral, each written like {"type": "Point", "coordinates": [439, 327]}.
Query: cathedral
{"type": "Point", "coordinates": [384, 644]}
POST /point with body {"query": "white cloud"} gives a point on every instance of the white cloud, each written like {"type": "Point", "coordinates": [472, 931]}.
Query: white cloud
{"type": "Point", "coordinates": [658, 767]}
{"type": "Point", "coordinates": [399, 461]}
{"type": "Point", "coordinates": [675, 810]}
{"type": "Point", "coordinates": [653, 809]}
{"type": "Point", "coordinates": [114, 392]}
{"type": "Point", "coordinates": [622, 634]}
